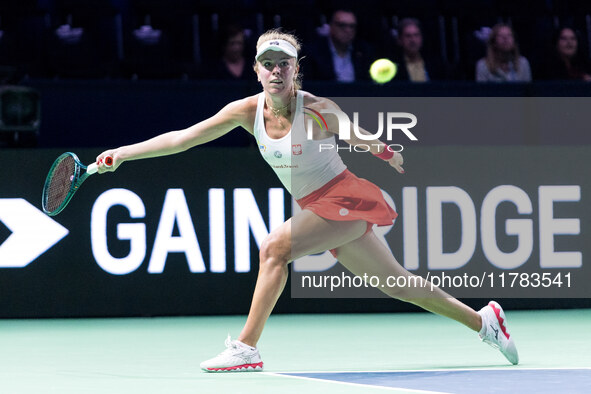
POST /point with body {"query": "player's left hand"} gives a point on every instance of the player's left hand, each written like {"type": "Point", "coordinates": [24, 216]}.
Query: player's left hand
{"type": "Point", "coordinates": [396, 161]}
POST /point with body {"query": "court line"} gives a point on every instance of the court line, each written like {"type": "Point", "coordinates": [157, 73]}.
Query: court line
{"type": "Point", "coordinates": [399, 389]}
{"type": "Point", "coordinates": [507, 368]}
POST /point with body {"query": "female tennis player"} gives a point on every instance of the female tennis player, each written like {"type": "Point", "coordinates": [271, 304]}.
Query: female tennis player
{"type": "Point", "coordinates": [338, 209]}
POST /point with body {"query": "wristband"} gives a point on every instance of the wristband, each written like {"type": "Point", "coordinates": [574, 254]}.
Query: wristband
{"type": "Point", "coordinates": [386, 155]}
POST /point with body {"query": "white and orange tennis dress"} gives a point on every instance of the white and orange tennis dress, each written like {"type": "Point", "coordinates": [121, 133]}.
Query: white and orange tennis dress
{"type": "Point", "coordinates": [319, 180]}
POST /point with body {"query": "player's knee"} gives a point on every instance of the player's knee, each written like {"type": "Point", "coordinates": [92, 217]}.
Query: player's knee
{"type": "Point", "coordinates": [274, 251]}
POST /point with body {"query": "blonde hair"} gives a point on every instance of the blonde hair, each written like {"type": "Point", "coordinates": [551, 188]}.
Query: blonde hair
{"type": "Point", "coordinates": [278, 34]}
{"type": "Point", "coordinates": [493, 57]}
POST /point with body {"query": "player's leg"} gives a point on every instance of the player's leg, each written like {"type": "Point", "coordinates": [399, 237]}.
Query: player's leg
{"type": "Point", "coordinates": [368, 255]}
{"type": "Point", "coordinates": [305, 233]}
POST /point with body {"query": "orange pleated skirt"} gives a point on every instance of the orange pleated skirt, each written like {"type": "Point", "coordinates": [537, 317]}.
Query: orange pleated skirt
{"type": "Point", "coordinates": [346, 198]}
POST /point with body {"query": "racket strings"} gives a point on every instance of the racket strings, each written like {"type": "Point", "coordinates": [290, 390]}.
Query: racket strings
{"type": "Point", "coordinates": [60, 183]}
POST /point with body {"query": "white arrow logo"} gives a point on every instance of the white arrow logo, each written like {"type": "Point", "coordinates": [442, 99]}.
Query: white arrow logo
{"type": "Point", "coordinates": [32, 233]}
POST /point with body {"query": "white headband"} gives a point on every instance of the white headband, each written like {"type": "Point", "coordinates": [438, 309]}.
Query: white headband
{"type": "Point", "coordinates": [278, 46]}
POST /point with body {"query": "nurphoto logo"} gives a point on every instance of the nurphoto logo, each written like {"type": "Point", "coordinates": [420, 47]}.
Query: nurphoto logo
{"type": "Point", "coordinates": [386, 124]}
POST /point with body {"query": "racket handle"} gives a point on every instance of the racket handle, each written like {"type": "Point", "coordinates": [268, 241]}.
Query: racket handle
{"type": "Point", "coordinates": [93, 168]}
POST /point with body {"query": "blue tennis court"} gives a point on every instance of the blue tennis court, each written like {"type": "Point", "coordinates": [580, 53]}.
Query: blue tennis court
{"type": "Point", "coordinates": [465, 381]}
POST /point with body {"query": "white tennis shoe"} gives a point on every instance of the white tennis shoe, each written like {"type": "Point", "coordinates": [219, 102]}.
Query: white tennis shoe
{"type": "Point", "coordinates": [494, 331]}
{"type": "Point", "coordinates": [238, 357]}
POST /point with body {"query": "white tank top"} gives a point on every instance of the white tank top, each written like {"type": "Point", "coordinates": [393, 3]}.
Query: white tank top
{"type": "Point", "coordinates": [297, 161]}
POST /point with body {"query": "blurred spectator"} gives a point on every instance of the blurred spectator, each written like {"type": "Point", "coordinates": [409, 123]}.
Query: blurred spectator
{"type": "Point", "coordinates": [232, 64]}
{"type": "Point", "coordinates": [149, 52]}
{"type": "Point", "coordinates": [503, 63]}
{"type": "Point", "coordinates": [340, 56]}
{"type": "Point", "coordinates": [412, 65]}
{"type": "Point", "coordinates": [565, 62]}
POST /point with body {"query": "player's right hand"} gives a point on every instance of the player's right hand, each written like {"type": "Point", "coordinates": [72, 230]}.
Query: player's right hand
{"type": "Point", "coordinates": [103, 159]}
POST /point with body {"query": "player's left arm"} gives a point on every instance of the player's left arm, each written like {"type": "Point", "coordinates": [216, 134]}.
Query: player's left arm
{"type": "Point", "coordinates": [376, 147]}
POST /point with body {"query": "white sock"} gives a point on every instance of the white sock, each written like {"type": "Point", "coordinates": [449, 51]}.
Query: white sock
{"type": "Point", "coordinates": [245, 345]}
{"type": "Point", "coordinates": [482, 331]}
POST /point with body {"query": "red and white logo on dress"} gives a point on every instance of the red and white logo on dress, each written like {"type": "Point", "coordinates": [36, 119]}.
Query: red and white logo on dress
{"type": "Point", "coordinates": [296, 149]}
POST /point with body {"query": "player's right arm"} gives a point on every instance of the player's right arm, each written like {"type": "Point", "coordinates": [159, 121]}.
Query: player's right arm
{"type": "Point", "coordinates": [231, 116]}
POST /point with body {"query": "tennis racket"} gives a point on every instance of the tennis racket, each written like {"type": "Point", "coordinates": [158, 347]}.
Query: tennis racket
{"type": "Point", "coordinates": [63, 180]}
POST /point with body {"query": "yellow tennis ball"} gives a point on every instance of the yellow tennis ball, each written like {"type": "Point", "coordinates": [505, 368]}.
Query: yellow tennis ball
{"type": "Point", "coordinates": [383, 70]}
